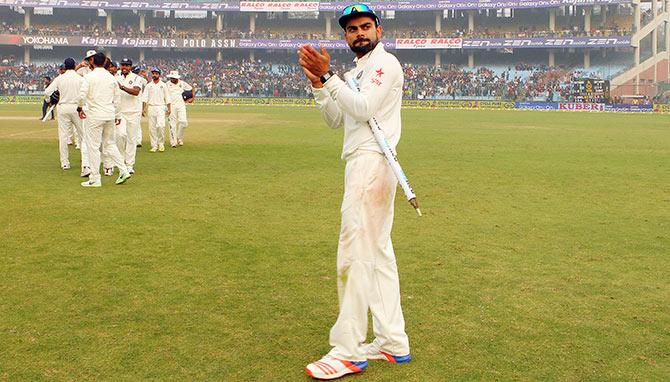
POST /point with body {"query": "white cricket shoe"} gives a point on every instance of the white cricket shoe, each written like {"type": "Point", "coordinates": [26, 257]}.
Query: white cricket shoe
{"type": "Point", "coordinates": [131, 170]}
{"type": "Point", "coordinates": [329, 367]}
{"type": "Point", "coordinates": [153, 149]}
{"type": "Point", "coordinates": [161, 148]}
{"type": "Point", "coordinates": [373, 352]}
{"type": "Point", "coordinates": [181, 142]}
{"type": "Point", "coordinates": [85, 171]}
{"type": "Point", "coordinates": [92, 184]}
{"type": "Point", "coordinates": [65, 166]}
{"type": "Point", "coordinates": [123, 177]}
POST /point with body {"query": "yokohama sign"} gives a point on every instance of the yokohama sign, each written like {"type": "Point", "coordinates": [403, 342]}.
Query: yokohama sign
{"type": "Point", "coordinates": [429, 43]}
{"type": "Point", "coordinates": [119, 42]}
{"type": "Point", "coordinates": [281, 6]}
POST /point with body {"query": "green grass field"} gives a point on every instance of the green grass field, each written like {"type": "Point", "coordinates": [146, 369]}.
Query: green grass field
{"type": "Point", "coordinates": [544, 252]}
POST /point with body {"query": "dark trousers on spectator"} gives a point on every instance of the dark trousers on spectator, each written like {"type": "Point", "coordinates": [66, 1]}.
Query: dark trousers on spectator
{"type": "Point", "coordinates": [45, 106]}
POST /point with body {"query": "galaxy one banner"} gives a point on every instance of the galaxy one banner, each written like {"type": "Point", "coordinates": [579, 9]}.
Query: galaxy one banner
{"type": "Point", "coordinates": [42, 41]}
{"type": "Point", "coordinates": [296, 6]}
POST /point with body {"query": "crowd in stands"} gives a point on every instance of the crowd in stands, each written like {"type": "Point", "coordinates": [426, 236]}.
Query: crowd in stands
{"type": "Point", "coordinates": [246, 78]}
{"type": "Point", "coordinates": [169, 31]}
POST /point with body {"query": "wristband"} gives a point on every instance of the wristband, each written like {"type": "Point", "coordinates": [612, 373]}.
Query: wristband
{"type": "Point", "coordinates": [327, 76]}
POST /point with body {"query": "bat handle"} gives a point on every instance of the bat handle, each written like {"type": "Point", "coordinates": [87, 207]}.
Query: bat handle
{"type": "Point", "coordinates": [415, 204]}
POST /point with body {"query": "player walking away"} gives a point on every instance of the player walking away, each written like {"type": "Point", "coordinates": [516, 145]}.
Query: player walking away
{"type": "Point", "coordinates": [155, 98]}
{"type": "Point", "coordinates": [178, 121]}
{"type": "Point", "coordinates": [67, 85]}
{"type": "Point", "coordinates": [131, 110]}
{"type": "Point", "coordinates": [141, 77]}
{"type": "Point", "coordinates": [100, 93]}
{"type": "Point", "coordinates": [366, 264]}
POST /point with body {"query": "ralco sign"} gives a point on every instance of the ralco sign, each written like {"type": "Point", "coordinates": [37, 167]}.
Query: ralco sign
{"type": "Point", "coordinates": [429, 43]}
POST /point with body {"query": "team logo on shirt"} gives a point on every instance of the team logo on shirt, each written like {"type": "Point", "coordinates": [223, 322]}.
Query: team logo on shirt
{"type": "Point", "coordinates": [376, 80]}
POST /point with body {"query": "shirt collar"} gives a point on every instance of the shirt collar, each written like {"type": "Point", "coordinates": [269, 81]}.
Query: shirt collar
{"type": "Point", "coordinates": [361, 61]}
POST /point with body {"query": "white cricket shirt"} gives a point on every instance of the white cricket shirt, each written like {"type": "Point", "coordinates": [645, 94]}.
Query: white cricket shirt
{"type": "Point", "coordinates": [380, 78]}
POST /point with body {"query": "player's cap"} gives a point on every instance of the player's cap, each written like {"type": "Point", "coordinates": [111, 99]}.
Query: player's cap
{"type": "Point", "coordinates": [155, 69]}
{"type": "Point", "coordinates": [136, 69]}
{"type": "Point", "coordinates": [126, 61]}
{"type": "Point", "coordinates": [61, 66]}
{"type": "Point", "coordinates": [114, 64]}
{"type": "Point", "coordinates": [174, 74]}
{"type": "Point", "coordinates": [90, 53]}
{"type": "Point", "coordinates": [69, 63]}
{"type": "Point", "coordinates": [356, 10]}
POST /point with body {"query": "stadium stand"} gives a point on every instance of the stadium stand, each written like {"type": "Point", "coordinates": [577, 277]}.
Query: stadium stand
{"type": "Point", "coordinates": [555, 44]}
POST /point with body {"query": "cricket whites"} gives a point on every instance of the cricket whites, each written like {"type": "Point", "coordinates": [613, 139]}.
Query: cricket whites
{"type": "Point", "coordinates": [389, 153]}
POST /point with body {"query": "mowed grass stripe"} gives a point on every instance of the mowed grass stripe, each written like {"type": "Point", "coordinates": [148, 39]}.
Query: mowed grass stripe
{"type": "Point", "coordinates": [542, 255]}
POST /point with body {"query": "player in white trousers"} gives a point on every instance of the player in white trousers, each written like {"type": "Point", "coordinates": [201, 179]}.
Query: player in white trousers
{"type": "Point", "coordinates": [67, 85]}
{"type": "Point", "coordinates": [83, 68]}
{"type": "Point", "coordinates": [100, 93]}
{"type": "Point", "coordinates": [156, 106]}
{"type": "Point", "coordinates": [178, 120]}
{"type": "Point", "coordinates": [120, 131]}
{"type": "Point", "coordinates": [131, 111]}
{"type": "Point", "coordinates": [137, 70]}
{"type": "Point", "coordinates": [366, 265]}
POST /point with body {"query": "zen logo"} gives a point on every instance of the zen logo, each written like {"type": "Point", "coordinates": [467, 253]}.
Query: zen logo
{"type": "Point", "coordinates": [602, 41]}
{"type": "Point", "coordinates": [516, 42]}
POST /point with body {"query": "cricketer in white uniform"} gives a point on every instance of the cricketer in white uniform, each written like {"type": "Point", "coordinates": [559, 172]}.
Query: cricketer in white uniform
{"type": "Point", "coordinates": [178, 120]}
{"type": "Point", "coordinates": [366, 264]}
{"type": "Point", "coordinates": [100, 93]}
{"type": "Point", "coordinates": [131, 110]}
{"type": "Point", "coordinates": [68, 85]}
{"type": "Point", "coordinates": [156, 97]}
{"type": "Point", "coordinates": [137, 70]}
{"type": "Point", "coordinates": [84, 68]}
{"type": "Point", "coordinates": [120, 130]}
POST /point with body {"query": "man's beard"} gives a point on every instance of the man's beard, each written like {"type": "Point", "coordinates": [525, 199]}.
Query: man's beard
{"type": "Point", "coordinates": [363, 49]}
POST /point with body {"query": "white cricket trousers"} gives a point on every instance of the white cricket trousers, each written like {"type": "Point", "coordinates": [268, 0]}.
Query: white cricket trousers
{"type": "Point", "coordinates": [139, 132]}
{"type": "Point", "coordinates": [68, 121]}
{"type": "Point", "coordinates": [134, 132]}
{"type": "Point", "coordinates": [120, 137]}
{"type": "Point", "coordinates": [178, 123]}
{"type": "Point", "coordinates": [100, 137]}
{"type": "Point", "coordinates": [367, 274]}
{"type": "Point", "coordinates": [83, 147]}
{"type": "Point", "coordinates": [156, 117]}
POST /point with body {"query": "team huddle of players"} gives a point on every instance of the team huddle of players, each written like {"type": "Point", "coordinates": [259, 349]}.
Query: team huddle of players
{"type": "Point", "coordinates": [99, 105]}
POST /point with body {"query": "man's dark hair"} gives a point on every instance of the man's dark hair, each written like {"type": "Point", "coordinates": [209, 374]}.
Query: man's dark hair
{"type": "Point", "coordinates": [48, 78]}
{"type": "Point", "coordinates": [99, 59]}
{"type": "Point", "coordinates": [69, 63]}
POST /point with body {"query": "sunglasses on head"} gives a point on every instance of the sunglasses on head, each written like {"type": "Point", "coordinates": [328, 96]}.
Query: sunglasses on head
{"type": "Point", "coordinates": [355, 8]}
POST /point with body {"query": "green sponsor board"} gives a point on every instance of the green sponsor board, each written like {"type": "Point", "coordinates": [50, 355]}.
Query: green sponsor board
{"type": "Point", "coordinates": [21, 99]}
